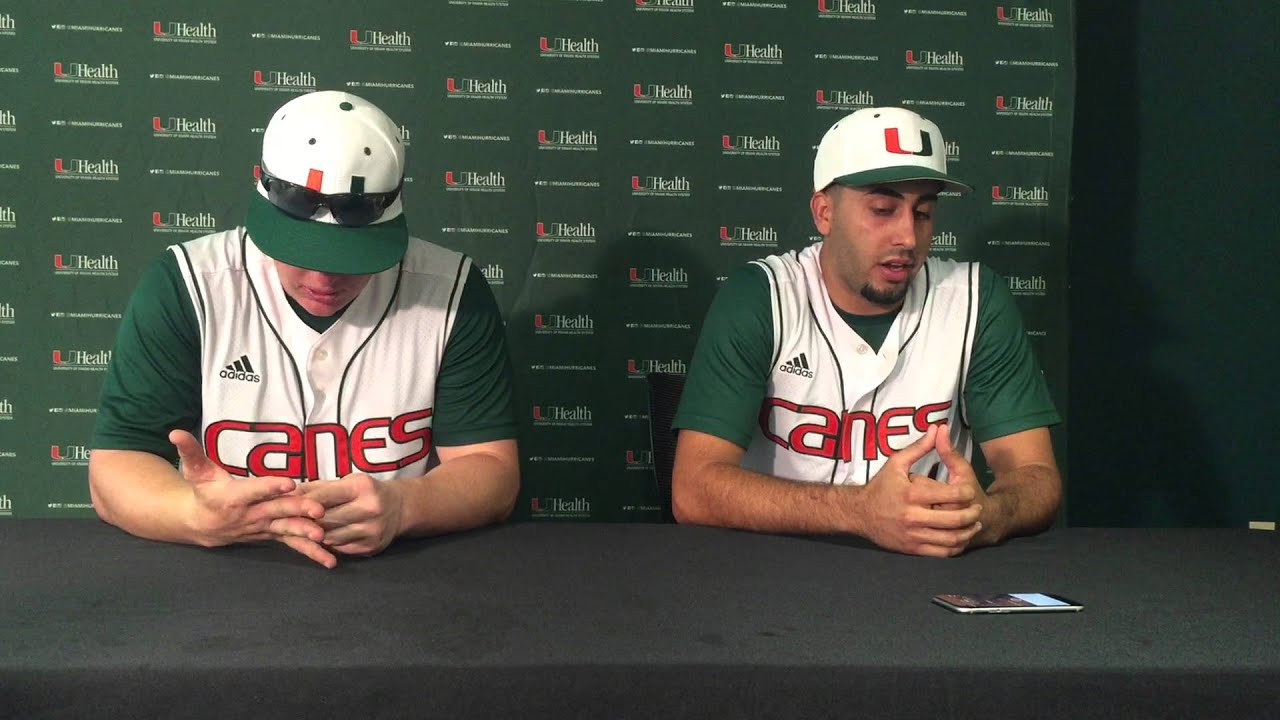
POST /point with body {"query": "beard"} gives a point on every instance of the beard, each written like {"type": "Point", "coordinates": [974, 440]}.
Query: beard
{"type": "Point", "coordinates": [887, 297]}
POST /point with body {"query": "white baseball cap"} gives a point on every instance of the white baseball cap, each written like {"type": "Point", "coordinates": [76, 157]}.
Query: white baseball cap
{"type": "Point", "coordinates": [328, 196]}
{"type": "Point", "coordinates": [874, 146]}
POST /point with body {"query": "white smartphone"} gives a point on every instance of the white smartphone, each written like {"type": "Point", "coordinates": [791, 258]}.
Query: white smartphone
{"type": "Point", "coordinates": [1006, 603]}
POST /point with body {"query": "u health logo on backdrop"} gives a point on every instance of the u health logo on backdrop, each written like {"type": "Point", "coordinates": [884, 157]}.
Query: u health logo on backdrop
{"type": "Point", "coordinates": [944, 242]}
{"type": "Point", "coordinates": [86, 360]}
{"type": "Point", "coordinates": [949, 60]}
{"type": "Point", "coordinates": [8, 121]}
{"type": "Point", "coordinates": [753, 54]}
{"type": "Point", "coordinates": [494, 274]}
{"type": "Point", "coordinates": [380, 41]}
{"type": "Point", "coordinates": [8, 316]}
{"type": "Point", "coordinates": [8, 218]}
{"type": "Point", "coordinates": [85, 169]}
{"type": "Point", "coordinates": [638, 369]}
{"type": "Point", "coordinates": [661, 94]}
{"type": "Point", "coordinates": [578, 507]}
{"type": "Point", "coordinates": [201, 33]}
{"type": "Point", "coordinates": [200, 223]}
{"type": "Point", "coordinates": [1033, 196]}
{"type": "Point", "coordinates": [79, 73]}
{"type": "Point", "coordinates": [639, 459]}
{"type": "Point", "coordinates": [672, 6]}
{"type": "Point", "coordinates": [562, 416]}
{"type": "Point", "coordinates": [566, 232]}
{"type": "Point", "coordinates": [465, 88]}
{"type": "Point", "coordinates": [846, 10]}
{"type": "Point", "coordinates": [580, 140]}
{"type": "Point", "coordinates": [76, 264]}
{"type": "Point", "coordinates": [1024, 105]}
{"type": "Point", "coordinates": [6, 409]}
{"type": "Point", "coordinates": [69, 455]}
{"type": "Point", "coordinates": [586, 48]}
{"type": "Point", "coordinates": [185, 128]}
{"type": "Point", "coordinates": [660, 186]}
{"type": "Point", "coordinates": [753, 145]}
{"type": "Point", "coordinates": [1034, 286]}
{"type": "Point", "coordinates": [470, 181]}
{"type": "Point", "coordinates": [652, 277]}
{"type": "Point", "coordinates": [1024, 17]}
{"type": "Point", "coordinates": [7, 25]}
{"type": "Point", "coordinates": [745, 236]}
{"type": "Point", "coordinates": [284, 81]}
{"type": "Point", "coordinates": [844, 100]}
{"type": "Point", "coordinates": [563, 324]}
{"type": "Point", "coordinates": [406, 137]}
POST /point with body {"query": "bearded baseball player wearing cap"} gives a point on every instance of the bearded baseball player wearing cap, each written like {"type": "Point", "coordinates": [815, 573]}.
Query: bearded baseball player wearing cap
{"type": "Point", "coordinates": [841, 388]}
{"type": "Point", "coordinates": [324, 379]}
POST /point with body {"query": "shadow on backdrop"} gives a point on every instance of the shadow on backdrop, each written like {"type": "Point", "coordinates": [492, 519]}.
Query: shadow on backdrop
{"type": "Point", "coordinates": [1136, 452]}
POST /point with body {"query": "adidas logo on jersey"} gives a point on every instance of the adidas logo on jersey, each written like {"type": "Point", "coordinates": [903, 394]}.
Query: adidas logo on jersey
{"type": "Point", "coordinates": [798, 365]}
{"type": "Point", "coordinates": [241, 369]}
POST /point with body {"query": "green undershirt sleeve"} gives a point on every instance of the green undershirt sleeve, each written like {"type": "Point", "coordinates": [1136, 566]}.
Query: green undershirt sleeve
{"type": "Point", "coordinates": [153, 381]}
{"type": "Point", "coordinates": [474, 390]}
{"type": "Point", "coordinates": [1005, 391]}
{"type": "Point", "coordinates": [730, 367]}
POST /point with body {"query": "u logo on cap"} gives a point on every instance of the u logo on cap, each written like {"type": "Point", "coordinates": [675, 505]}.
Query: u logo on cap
{"type": "Point", "coordinates": [894, 145]}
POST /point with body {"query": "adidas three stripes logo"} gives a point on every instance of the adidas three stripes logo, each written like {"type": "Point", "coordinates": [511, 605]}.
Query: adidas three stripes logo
{"type": "Point", "coordinates": [241, 369]}
{"type": "Point", "coordinates": [798, 365]}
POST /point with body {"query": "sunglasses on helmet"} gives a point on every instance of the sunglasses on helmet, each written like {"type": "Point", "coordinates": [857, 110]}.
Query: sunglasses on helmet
{"type": "Point", "coordinates": [349, 209]}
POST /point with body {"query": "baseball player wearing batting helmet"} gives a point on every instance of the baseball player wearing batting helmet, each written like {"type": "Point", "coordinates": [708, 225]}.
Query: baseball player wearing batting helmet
{"type": "Point", "coordinates": [321, 377]}
{"type": "Point", "coordinates": [832, 388]}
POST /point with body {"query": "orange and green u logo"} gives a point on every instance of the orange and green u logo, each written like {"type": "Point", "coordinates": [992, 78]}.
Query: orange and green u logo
{"type": "Point", "coordinates": [894, 145]}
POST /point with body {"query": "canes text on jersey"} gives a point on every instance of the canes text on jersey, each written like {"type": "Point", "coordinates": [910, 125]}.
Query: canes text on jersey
{"type": "Point", "coordinates": [815, 430]}
{"type": "Point", "coordinates": [395, 442]}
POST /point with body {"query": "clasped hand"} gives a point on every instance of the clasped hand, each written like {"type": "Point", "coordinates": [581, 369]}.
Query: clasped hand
{"type": "Point", "coordinates": [915, 514]}
{"type": "Point", "coordinates": [353, 515]}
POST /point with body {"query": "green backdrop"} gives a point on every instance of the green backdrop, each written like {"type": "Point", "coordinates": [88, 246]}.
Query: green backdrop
{"type": "Point", "coordinates": [1173, 266]}
{"type": "Point", "coordinates": [607, 163]}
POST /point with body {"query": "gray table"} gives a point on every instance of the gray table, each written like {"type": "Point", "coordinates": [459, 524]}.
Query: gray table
{"type": "Point", "coordinates": [635, 621]}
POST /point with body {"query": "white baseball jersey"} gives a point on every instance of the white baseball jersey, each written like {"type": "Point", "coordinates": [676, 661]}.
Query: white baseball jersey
{"type": "Point", "coordinates": [280, 398]}
{"type": "Point", "coordinates": [834, 411]}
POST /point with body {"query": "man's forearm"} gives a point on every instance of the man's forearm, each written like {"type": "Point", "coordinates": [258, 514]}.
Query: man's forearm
{"type": "Point", "coordinates": [1021, 501]}
{"type": "Point", "coordinates": [727, 495]}
{"type": "Point", "coordinates": [461, 493]}
{"type": "Point", "coordinates": [140, 493]}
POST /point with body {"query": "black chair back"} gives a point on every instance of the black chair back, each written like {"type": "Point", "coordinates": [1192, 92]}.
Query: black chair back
{"type": "Point", "coordinates": [664, 398]}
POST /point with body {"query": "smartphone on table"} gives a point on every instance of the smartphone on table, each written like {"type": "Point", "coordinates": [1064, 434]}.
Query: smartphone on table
{"type": "Point", "coordinates": [973, 603]}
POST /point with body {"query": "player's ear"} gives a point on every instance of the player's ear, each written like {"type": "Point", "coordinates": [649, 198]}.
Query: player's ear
{"type": "Point", "coordinates": [820, 207]}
